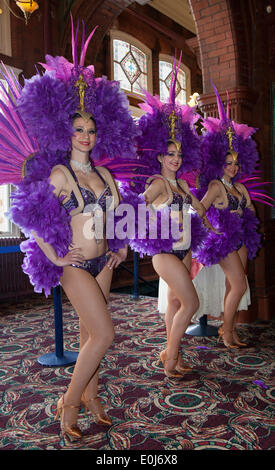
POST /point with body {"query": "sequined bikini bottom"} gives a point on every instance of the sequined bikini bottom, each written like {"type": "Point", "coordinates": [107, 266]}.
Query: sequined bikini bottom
{"type": "Point", "coordinates": [180, 254]}
{"type": "Point", "coordinates": [94, 265]}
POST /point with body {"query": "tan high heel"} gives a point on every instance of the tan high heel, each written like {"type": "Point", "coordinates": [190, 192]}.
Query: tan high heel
{"type": "Point", "coordinates": [183, 367]}
{"type": "Point", "coordinates": [95, 407]}
{"type": "Point", "coordinates": [174, 373]}
{"type": "Point", "coordinates": [226, 343]}
{"type": "Point", "coordinates": [71, 431]}
{"type": "Point", "coordinates": [237, 341]}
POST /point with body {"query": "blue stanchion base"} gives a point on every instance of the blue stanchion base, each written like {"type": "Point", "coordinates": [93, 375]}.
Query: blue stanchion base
{"type": "Point", "coordinates": [52, 360]}
{"type": "Point", "coordinates": [202, 330]}
{"type": "Point", "coordinates": [135, 297]}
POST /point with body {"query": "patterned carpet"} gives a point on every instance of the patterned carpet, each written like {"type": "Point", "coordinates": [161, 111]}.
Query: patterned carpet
{"type": "Point", "coordinates": [226, 402]}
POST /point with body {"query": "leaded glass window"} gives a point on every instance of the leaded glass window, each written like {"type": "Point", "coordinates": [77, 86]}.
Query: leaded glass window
{"type": "Point", "coordinates": [165, 77]}
{"type": "Point", "coordinates": [130, 66]}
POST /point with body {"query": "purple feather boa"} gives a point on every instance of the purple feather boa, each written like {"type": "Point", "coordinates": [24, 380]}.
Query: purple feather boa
{"type": "Point", "coordinates": [143, 243]}
{"type": "Point", "coordinates": [43, 274]}
{"type": "Point", "coordinates": [198, 232]}
{"type": "Point", "coordinates": [147, 246]}
{"type": "Point", "coordinates": [251, 237]}
{"type": "Point", "coordinates": [36, 208]}
{"type": "Point", "coordinates": [141, 240]}
{"type": "Point", "coordinates": [215, 247]}
{"type": "Point", "coordinates": [234, 230]}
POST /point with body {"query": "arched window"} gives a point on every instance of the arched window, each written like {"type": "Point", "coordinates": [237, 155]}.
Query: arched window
{"type": "Point", "coordinates": [131, 63]}
{"type": "Point", "coordinates": [183, 86]}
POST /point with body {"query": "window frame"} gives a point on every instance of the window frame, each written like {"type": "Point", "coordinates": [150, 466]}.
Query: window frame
{"type": "Point", "coordinates": [184, 68]}
{"type": "Point", "coordinates": [13, 230]}
{"type": "Point", "coordinates": [121, 36]}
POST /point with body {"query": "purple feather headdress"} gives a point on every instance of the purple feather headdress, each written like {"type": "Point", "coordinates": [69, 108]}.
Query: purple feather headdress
{"type": "Point", "coordinates": [216, 141]}
{"type": "Point", "coordinates": [48, 103]}
{"type": "Point", "coordinates": [37, 119]}
{"type": "Point", "coordinates": [155, 129]}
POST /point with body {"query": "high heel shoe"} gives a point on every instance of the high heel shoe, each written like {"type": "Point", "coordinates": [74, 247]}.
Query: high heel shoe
{"type": "Point", "coordinates": [170, 373]}
{"type": "Point", "coordinates": [71, 431]}
{"type": "Point", "coordinates": [95, 407]}
{"type": "Point", "coordinates": [237, 341]}
{"type": "Point", "coordinates": [182, 367]}
{"type": "Point", "coordinates": [227, 344]}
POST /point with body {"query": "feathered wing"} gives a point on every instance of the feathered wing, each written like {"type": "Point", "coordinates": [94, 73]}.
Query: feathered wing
{"type": "Point", "coordinates": [124, 171]}
{"type": "Point", "coordinates": [257, 188]}
{"type": "Point", "coordinates": [16, 145]}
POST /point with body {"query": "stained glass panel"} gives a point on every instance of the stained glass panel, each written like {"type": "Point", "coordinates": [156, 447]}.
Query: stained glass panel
{"type": "Point", "coordinates": [130, 66]}
{"type": "Point", "coordinates": [165, 75]}
{"type": "Point", "coordinates": [164, 69]}
{"type": "Point", "coordinates": [140, 84]}
{"type": "Point", "coordinates": [140, 58]}
{"type": "Point", "coordinates": [163, 91]}
{"type": "Point", "coordinates": [120, 76]}
{"type": "Point", "coordinates": [120, 49]}
{"type": "Point", "coordinates": [182, 79]}
{"type": "Point", "coordinates": [181, 98]}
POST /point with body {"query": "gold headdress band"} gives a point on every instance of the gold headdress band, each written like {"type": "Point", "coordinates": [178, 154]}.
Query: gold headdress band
{"type": "Point", "coordinates": [231, 151]}
{"type": "Point", "coordinates": [23, 167]}
{"type": "Point", "coordinates": [82, 85]}
{"type": "Point", "coordinates": [173, 118]}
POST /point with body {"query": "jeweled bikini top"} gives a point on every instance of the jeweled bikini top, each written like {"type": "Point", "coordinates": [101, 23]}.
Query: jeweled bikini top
{"type": "Point", "coordinates": [180, 200]}
{"type": "Point", "coordinates": [88, 195]}
{"type": "Point", "coordinates": [234, 203]}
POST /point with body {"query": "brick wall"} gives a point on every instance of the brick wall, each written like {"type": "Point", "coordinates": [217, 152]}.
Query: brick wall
{"type": "Point", "coordinates": [218, 55]}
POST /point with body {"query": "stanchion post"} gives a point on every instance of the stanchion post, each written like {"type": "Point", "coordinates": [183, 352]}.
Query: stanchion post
{"type": "Point", "coordinates": [59, 358]}
{"type": "Point", "coordinates": [203, 329]}
{"type": "Point", "coordinates": [58, 321]}
{"type": "Point", "coordinates": [136, 287]}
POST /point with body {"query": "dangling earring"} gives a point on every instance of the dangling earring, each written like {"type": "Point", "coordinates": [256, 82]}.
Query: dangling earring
{"type": "Point", "coordinates": [160, 159]}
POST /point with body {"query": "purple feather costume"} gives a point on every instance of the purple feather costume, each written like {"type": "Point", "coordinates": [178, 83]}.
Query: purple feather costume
{"type": "Point", "coordinates": [45, 106]}
{"type": "Point", "coordinates": [155, 132]}
{"type": "Point", "coordinates": [235, 230]}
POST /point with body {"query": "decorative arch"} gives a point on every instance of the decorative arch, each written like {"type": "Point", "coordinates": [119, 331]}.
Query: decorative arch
{"type": "Point", "coordinates": [98, 12]}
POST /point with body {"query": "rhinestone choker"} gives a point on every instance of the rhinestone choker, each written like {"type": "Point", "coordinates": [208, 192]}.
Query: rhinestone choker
{"type": "Point", "coordinates": [85, 167]}
{"type": "Point", "coordinates": [230, 185]}
{"type": "Point", "coordinates": [171, 180]}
